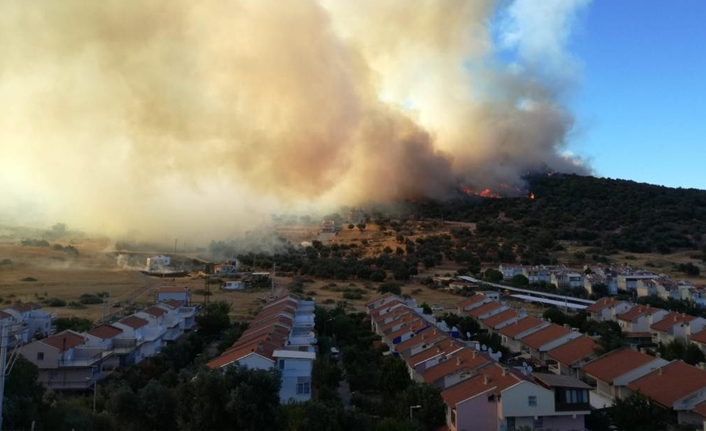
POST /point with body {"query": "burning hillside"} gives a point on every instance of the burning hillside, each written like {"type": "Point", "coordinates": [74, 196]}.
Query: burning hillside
{"type": "Point", "coordinates": [209, 115]}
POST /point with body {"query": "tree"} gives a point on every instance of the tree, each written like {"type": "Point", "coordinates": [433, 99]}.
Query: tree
{"type": "Point", "coordinates": [611, 336]}
{"type": "Point", "coordinates": [351, 226]}
{"type": "Point", "coordinates": [493, 275]}
{"type": "Point", "coordinates": [393, 424]}
{"type": "Point", "coordinates": [325, 373]}
{"type": "Point", "coordinates": [519, 280]}
{"type": "Point", "coordinates": [390, 287]}
{"type": "Point", "coordinates": [555, 316]}
{"type": "Point", "coordinates": [124, 405]}
{"type": "Point", "coordinates": [23, 395]}
{"type": "Point", "coordinates": [157, 405]}
{"type": "Point", "coordinates": [214, 318]}
{"type": "Point", "coordinates": [77, 324]}
{"type": "Point", "coordinates": [426, 309]}
{"type": "Point", "coordinates": [693, 355]}
{"type": "Point", "coordinates": [431, 414]}
{"type": "Point", "coordinates": [378, 276]}
{"type": "Point", "coordinates": [394, 376]}
{"type": "Point", "coordinates": [636, 413]}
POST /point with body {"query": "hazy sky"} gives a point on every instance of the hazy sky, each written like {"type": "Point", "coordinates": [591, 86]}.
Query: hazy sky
{"type": "Point", "coordinates": [641, 100]}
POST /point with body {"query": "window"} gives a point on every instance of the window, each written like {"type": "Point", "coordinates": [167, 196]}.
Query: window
{"type": "Point", "coordinates": [281, 364]}
{"type": "Point", "coordinates": [40, 356]}
{"type": "Point", "coordinates": [532, 401]}
{"type": "Point", "coordinates": [303, 388]}
{"type": "Point", "coordinates": [510, 424]}
{"type": "Point", "coordinates": [584, 396]}
{"type": "Point", "coordinates": [538, 422]}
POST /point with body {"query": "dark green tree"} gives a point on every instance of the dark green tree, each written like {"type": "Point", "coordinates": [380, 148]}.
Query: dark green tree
{"type": "Point", "coordinates": [158, 406]}
{"type": "Point", "coordinates": [636, 413]}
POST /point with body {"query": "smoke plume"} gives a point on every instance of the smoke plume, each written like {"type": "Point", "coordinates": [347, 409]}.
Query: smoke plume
{"type": "Point", "coordinates": [205, 116]}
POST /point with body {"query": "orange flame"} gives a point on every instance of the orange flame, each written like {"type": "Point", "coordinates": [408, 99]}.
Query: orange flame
{"type": "Point", "coordinates": [531, 196]}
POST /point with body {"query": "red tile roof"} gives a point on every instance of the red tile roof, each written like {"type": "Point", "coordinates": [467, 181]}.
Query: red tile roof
{"type": "Point", "coordinates": [173, 303]}
{"type": "Point", "coordinates": [699, 337]}
{"type": "Point", "coordinates": [429, 335]}
{"type": "Point", "coordinates": [700, 409]}
{"type": "Point", "coordinates": [520, 326]}
{"type": "Point", "coordinates": [497, 319]}
{"type": "Point", "coordinates": [134, 322]}
{"type": "Point", "coordinates": [461, 361]}
{"type": "Point", "coordinates": [443, 347]}
{"type": "Point", "coordinates": [105, 332]}
{"type": "Point", "coordinates": [155, 311]}
{"type": "Point", "coordinates": [387, 313]}
{"type": "Point", "coordinates": [172, 289]}
{"type": "Point", "coordinates": [24, 307]}
{"type": "Point", "coordinates": [671, 320]}
{"type": "Point", "coordinates": [574, 351]}
{"type": "Point", "coordinates": [386, 308]}
{"type": "Point", "coordinates": [485, 308]}
{"type": "Point", "coordinates": [470, 301]}
{"type": "Point", "coordinates": [262, 348]}
{"type": "Point", "coordinates": [4, 315]}
{"type": "Point", "coordinates": [64, 341]}
{"type": "Point", "coordinates": [670, 383]}
{"type": "Point", "coordinates": [275, 320]}
{"type": "Point", "coordinates": [545, 335]}
{"type": "Point", "coordinates": [601, 304]}
{"type": "Point", "coordinates": [488, 379]}
{"type": "Point", "coordinates": [412, 326]}
{"type": "Point", "coordinates": [616, 363]}
{"type": "Point", "coordinates": [387, 295]}
{"type": "Point", "coordinates": [289, 299]}
{"type": "Point", "coordinates": [637, 311]}
{"type": "Point", "coordinates": [400, 319]}
{"type": "Point", "coordinates": [279, 309]}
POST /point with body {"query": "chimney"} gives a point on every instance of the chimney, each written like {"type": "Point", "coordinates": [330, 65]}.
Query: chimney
{"type": "Point", "coordinates": [660, 371]}
{"type": "Point", "coordinates": [504, 371]}
{"type": "Point", "coordinates": [458, 361]}
{"type": "Point", "coordinates": [486, 379]}
{"type": "Point", "coordinates": [475, 353]}
{"type": "Point", "coordinates": [658, 354]}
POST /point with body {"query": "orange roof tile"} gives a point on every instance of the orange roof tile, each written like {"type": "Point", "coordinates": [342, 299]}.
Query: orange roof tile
{"type": "Point", "coordinates": [412, 326]}
{"type": "Point", "coordinates": [105, 332]}
{"type": "Point", "coordinates": [262, 348]}
{"type": "Point", "coordinates": [443, 347]}
{"type": "Point", "coordinates": [462, 361]}
{"type": "Point", "coordinates": [616, 363]}
{"type": "Point", "coordinates": [601, 304]}
{"type": "Point", "coordinates": [520, 326]}
{"type": "Point", "coordinates": [428, 335]}
{"type": "Point", "coordinates": [671, 320]}
{"type": "Point", "coordinates": [173, 303]}
{"type": "Point", "coordinates": [497, 319]}
{"type": "Point", "coordinates": [574, 351]}
{"type": "Point", "coordinates": [399, 319]}
{"type": "Point", "coordinates": [24, 307]}
{"type": "Point", "coordinates": [172, 289]}
{"type": "Point", "coordinates": [155, 311]}
{"type": "Point", "coordinates": [637, 311]}
{"type": "Point", "coordinates": [498, 379]}
{"type": "Point", "coordinates": [699, 337]}
{"type": "Point", "coordinates": [64, 341]}
{"type": "Point", "coordinates": [700, 409]}
{"type": "Point", "coordinates": [670, 383]}
{"type": "Point", "coordinates": [470, 301]}
{"type": "Point", "coordinates": [387, 295]}
{"type": "Point", "coordinates": [134, 322]}
{"type": "Point", "coordinates": [479, 311]}
{"type": "Point", "coordinates": [544, 336]}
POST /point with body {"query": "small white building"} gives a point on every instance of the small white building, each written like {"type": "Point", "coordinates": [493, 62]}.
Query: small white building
{"type": "Point", "coordinates": [181, 294]}
{"type": "Point", "coordinates": [158, 262]}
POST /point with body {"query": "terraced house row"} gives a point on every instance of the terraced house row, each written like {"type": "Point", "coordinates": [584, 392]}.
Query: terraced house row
{"type": "Point", "coordinates": [77, 360]}
{"type": "Point", "coordinates": [280, 336]}
{"type": "Point", "coordinates": [479, 391]}
{"type": "Point", "coordinates": [672, 385]}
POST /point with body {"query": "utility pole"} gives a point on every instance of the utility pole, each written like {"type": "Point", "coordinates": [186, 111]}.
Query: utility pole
{"type": "Point", "coordinates": [3, 356]}
{"type": "Point", "coordinates": [175, 244]}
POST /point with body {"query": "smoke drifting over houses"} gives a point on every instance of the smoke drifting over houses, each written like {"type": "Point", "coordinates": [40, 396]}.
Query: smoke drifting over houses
{"type": "Point", "coordinates": [204, 116]}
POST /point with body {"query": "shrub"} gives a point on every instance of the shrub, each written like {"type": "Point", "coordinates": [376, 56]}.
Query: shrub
{"type": "Point", "coordinates": [56, 302]}
{"type": "Point", "coordinates": [352, 295]}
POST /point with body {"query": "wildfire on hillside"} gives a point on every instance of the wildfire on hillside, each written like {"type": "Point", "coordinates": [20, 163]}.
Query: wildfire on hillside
{"type": "Point", "coordinates": [485, 193]}
{"type": "Point", "coordinates": [531, 196]}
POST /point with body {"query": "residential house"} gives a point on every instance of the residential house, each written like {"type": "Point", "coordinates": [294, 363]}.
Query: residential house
{"type": "Point", "coordinates": [676, 326]}
{"type": "Point", "coordinates": [66, 361]}
{"type": "Point", "coordinates": [416, 364]}
{"type": "Point", "coordinates": [486, 310]}
{"type": "Point", "coordinates": [32, 318]}
{"type": "Point", "coordinates": [513, 333]}
{"type": "Point", "coordinates": [537, 274]}
{"type": "Point", "coordinates": [181, 294]}
{"type": "Point", "coordinates": [627, 282]}
{"type": "Point", "coordinates": [418, 341]}
{"type": "Point", "coordinates": [281, 335]}
{"type": "Point", "coordinates": [538, 343]}
{"type": "Point", "coordinates": [456, 367]}
{"type": "Point", "coordinates": [613, 371]}
{"type": "Point", "coordinates": [594, 279]}
{"type": "Point", "coordinates": [568, 358]}
{"type": "Point", "coordinates": [607, 309]}
{"type": "Point", "coordinates": [699, 339]}
{"type": "Point", "coordinates": [567, 279]}
{"type": "Point", "coordinates": [502, 398]}
{"type": "Point", "coordinates": [499, 320]}
{"type": "Point", "coordinates": [678, 386]}
{"type": "Point", "coordinates": [639, 318]}
{"type": "Point", "coordinates": [472, 302]}
{"type": "Point", "coordinates": [135, 331]}
{"type": "Point", "coordinates": [510, 271]}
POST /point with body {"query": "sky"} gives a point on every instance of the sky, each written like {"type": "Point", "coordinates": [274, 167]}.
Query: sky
{"type": "Point", "coordinates": [641, 100]}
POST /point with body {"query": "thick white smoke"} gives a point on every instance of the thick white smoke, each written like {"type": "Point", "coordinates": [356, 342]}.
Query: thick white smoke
{"type": "Point", "coordinates": [205, 117]}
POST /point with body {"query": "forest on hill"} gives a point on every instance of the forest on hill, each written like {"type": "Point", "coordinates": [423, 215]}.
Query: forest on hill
{"type": "Point", "coordinates": [605, 214]}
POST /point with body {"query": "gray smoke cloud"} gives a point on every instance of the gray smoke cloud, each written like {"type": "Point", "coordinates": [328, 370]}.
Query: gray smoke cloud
{"type": "Point", "coordinates": [206, 117]}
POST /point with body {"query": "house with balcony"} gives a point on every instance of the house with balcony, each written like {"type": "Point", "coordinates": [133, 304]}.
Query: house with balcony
{"type": "Point", "coordinates": [509, 271]}
{"type": "Point", "coordinates": [611, 373]}
{"type": "Point", "coordinates": [538, 343]}
{"type": "Point", "coordinates": [425, 359]}
{"type": "Point", "coordinates": [133, 339]}
{"type": "Point", "coordinates": [639, 318]}
{"type": "Point", "coordinates": [595, 279]}
{"type": "Point", "coordinates": [677, 386]}
{"type": "Point", "coordinates": [537, 274]}
{"type": "Point", "coordinates": [567, 279]}
{"type": "Point", "coordinates": [487, 310]}
{"type": "Point", "coordinates": [514, 332]}
{"type": "Point", "coordinates": [627, 282]}
{"type": "Point", "coordinates": [498, 397]}
{"type": "Point", "coordinates": [676, 326]}
{"type": "Point", "coordinates": [66, 361]}
{"type": "Point", "coordinates": [568, 358]}
{"type": "Point", "coordinates": [31, 316]}
{"type": "Point", "coordinates": [380, 301]}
